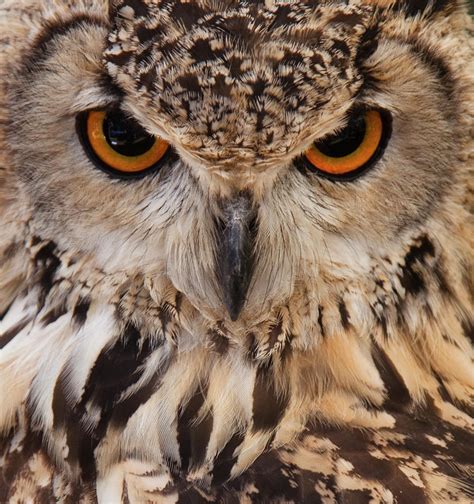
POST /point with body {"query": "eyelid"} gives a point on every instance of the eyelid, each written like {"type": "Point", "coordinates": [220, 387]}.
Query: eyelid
{"type": "Point", "coordinates": [92, 99]}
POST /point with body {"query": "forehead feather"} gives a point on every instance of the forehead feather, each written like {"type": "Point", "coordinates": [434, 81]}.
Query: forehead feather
{"type": "Point", "coordinates": [238, 74]}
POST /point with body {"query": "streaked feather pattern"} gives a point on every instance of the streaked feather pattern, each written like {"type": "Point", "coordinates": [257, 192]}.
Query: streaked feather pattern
{"type": "Point", "coordinates": [356, 385]}
{"type": "Point", "coordinates": [154, 411]}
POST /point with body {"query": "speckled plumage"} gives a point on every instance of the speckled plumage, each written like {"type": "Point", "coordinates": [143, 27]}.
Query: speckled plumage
{"type": "Point", "coordinates": [348, 375]}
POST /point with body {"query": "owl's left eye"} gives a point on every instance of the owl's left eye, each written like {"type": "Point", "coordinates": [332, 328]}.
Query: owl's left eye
{"type": "Point", "coordinates": [118, 144]}
{"type": "Point", "coordinates": [348, 153]}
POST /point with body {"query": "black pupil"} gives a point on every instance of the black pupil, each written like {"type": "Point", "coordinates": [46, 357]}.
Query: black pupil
{"type": "Point", "coordinates": [126, 136]}
{"type": "Point", "coordinates": [347, 141]}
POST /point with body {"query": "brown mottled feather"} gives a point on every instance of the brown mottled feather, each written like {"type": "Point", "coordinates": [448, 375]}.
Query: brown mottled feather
{"type": "Point", "coordinates": [348, 376]}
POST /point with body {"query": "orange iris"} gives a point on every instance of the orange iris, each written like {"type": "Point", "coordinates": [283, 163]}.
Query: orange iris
{"type": "Point", "coordinates": [362, 153]}
{"type": "Point", "coordinates": [147, 154]}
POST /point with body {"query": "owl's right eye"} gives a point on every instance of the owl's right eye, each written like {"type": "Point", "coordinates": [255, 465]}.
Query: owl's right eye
{"type": "Point", "coordinates": [118, 144]}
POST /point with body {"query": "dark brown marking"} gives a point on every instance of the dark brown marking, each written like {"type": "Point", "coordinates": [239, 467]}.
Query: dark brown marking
{"type": "Point", "coordinates": [239, 29]}
{"type": "Point", "coordinates": [190, 83]}
{"type": "Point", "coordinates": [202, 51]}
{"type": "Point", "coordinates": [320, 320]}
{"type": "Point", "coordinates": [16, 460]}
{"type": "Point", "coordinates": [147, 79]}
{"type": "Point", "coordinates": [127, 407]}
{"type": "Point", "coordinates": [59, 403]}
{"type": "Point", "coordinates": [8, 335]}
{"type": "Point", "coordinates": [269, 404]}
{"type": "Point", "coordinates": [121, 58]}
{"type": "Point", "coordinates": [186, 14]}
{"type": "Point", "coordinates": [10, 251]}
{"type": "Point", "coordinates": [411, 280]}
{"type": "Point", "coordinates": [426, 420]}
{"type": "Point", "coordinates": [47, 262]}
{"type": "Point", "coordinates": [277, 482]}
{"type": "Point", "coordinates": [191, 496]}
{"type": "Point", "coordinates": [251, 346]}
{"type": "Point", "coordinates": [200, 435]}
{"type": "Point", "coordinates": [5, 311]}
{"type": "Point", "coordinates": [185, 417]}
{"type": "Point", "coordinates": [221, 87]}
{"type": "Point", "coordinates": [115, 370]}
{"type": "Point", "coordinates": [282, 17]}
{"type": "Point", "coordinates": [165, 316]}
{"type": "Point", "coordinates": [354, 446]}
{"type": "Point", "coordinates": [345, 317]}
{"type": "Point", "coordinates": [341, 46]}
{"type": "Point", "coordinates": [219, 342]}
{"type": "Point", "coordinates": [193, 437]}
{"type": "Point", "coordinates": [468, 329]}
{"type": "Point", "coordinates": [226, 459]}
{"type": "Point", "coordinates": [355, 496]}
{"type": "Point", "coordinates": [386, 472]}
{"type": "Point", "coordinates": [147, 35]}
{"type": "Point", "coordinates": [348, 19]}
{"type": "Point", "coordinates": [139, 7]}
{"type": "Point", "coordinates": [54, 314]}
{"type": "Point", "coordinates": [415, 7]}
{"type": "Point", "coordinates": [397, 392]}
{"type": "Point", "coordinates": [443, 391]}
{"type": "Point", "coordinates": [79, 314]}
{"type": "Point", "coordinates": [144, 58]}
{"type": "Point", "coordinates": [367, 46]}
{"type": "Point", "coordinates": [178, 301]}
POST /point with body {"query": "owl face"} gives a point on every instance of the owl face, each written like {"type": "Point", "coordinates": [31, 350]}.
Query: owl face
{"type": "Point", "coordinates": [235, 215]}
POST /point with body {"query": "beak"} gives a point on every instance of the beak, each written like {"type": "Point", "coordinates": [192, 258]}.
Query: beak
{"type": "Point", "coordinates": [236, 238]}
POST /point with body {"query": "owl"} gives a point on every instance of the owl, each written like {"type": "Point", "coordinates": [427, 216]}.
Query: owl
{"type": "Point", "coordinates": [236, 251]}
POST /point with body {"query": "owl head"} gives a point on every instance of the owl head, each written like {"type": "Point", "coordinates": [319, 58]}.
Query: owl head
{"type": "Point", "coordinates": [305, 159]}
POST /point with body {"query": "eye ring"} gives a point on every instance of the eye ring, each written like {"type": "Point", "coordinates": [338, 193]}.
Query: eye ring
{"type": "Point", "coordinates": [118, 145]}
{"type": "Point", "coordinates": [348, 154]}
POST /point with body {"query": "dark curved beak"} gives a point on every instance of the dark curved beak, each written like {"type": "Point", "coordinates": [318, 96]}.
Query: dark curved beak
{"type": "Point", "coordinates": [236, 238]}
